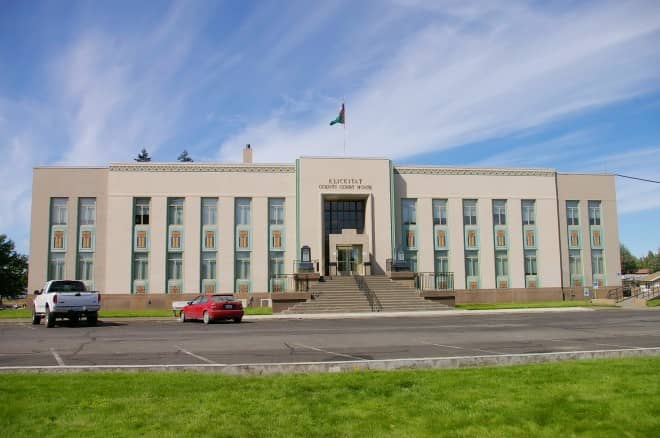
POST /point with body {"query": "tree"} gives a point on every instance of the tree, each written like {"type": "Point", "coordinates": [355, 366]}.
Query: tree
{"type": "Point", "coordinates": [143, 156]}
{"type": "Point", "coordinates": [629, 262]}
{"type": "Point", "coordinates": [13, 269]}
{"type": "Point", "coordinates": [184, 157]}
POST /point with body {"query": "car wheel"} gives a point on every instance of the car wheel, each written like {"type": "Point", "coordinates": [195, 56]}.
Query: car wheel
{"type": "Point", "coordinates": [92, 318]}
{"type": "Point", "coordinates": [182, 316]}
{"type": "Point", "coordinates": [237, 320]}
{"type": "Point", "coordinates": [50, 318]}
{"type": "Point", "coordinates": [36, 318]}
{"type": "Point", "coordinates": [207, 318]}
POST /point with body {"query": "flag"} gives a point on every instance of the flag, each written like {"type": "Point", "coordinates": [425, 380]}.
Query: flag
{"type": "Point", "coordinates": [340, 117]}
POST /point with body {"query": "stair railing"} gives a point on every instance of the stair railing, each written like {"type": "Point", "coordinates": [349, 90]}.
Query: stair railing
{"type": "Point", "coordinates": [372, 298]}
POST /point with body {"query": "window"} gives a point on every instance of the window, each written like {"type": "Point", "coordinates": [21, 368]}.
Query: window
{"type": "Point", "coordinates": [575, 262]}
{"type": "Point", "coordinates": [86, 240]}
{"type": "Point", "coordinates": [470, 212]}
{"type": "Point", "coordinates": [175, 239]}
{"type": "Point", "coordinates": [209, 211]}
{"type": "Point", "coordinates": [209, 239]}
{"type": "Point", "coordinates": [501, 238]}
{"type": "Point", "coordinates": [572, 213]}
{"type": "Point", "coordinates": [208, 265]}
{"type": "Point", "coordinates": [472, 263]}
{"type": "Point", "coordinates": [409, 211]}
{"type": "Point", "coordinates": [276, 211]}
{"type": "Point", "coordinates": [411, 258]}
{"type": "Point", "coordinates": [243, 211]}
{"type": "Point", "coordinates": [277, 239]}
{"type": "Point", "coordinates": [58, 239]}
{"type": "Point", "coordinates": [530, 238]}
{"type": "Point", "coordinates": [441, 261]}
{"type": "Point", "coordinates": [174, 266]}
{"type": "Point", "coordinates": [56, 267]}
{"type": "Point", "coordinates": [141, 241]}
{"type": "Point", "coordinates": [471, 239]}
{"type": "Point", "coordinates": [499, 212]}
{"type": "Point", "coordinates": [439, 212]}
{"type": "Point", "coordinates": [85, 266]}
{"type": "Point", "coordinates": [410, 239]}
{"type": "Point", "coordinates": [597, 265]}
{"type": "Point", "coordinates": [501, 263]}
{"type": "Point", "coordinates": [175, 211]}
{"type": "Point", "coordinates": [142, 211]}
{"type": "Point", "coordinates": [243, 239]}
{"type": "Point", "coordinates": [575, 238]}
{"type": "Point", "coordinates": [87, 213]}
{"type": "Point", "coordinates": [596, 238]}
{"type": "Point", "coordinates": [594, 212]}
{"type": "Point", "coordinates": [529, 212]}
{"type": "Point", "coordinates": [276, 263]}
{"type": "Point", "coordinates": [58, 212]}
{"type": "Point", "coordinates": [140, 267]}
{"type": "Point", "coordinates": [242, 265]}
{"type": "Point", "coordinates": [530, 262]}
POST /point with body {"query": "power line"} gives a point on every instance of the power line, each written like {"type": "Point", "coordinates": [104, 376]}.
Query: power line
{"type": "Point", "coordinates": [639, 179]}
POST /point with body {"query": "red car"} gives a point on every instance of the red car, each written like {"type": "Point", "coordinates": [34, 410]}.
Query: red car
{"type": "Point", "coordinates": [212, 307]}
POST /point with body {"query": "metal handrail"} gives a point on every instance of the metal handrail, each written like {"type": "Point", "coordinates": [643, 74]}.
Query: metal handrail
{"type": "Point", "coordinates": [372, 298]}
{"type": "Point", "coordinates": [434, 281]}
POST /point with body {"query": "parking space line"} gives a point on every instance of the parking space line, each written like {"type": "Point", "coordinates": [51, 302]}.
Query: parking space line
{"type": "Point", "coordinates": [196, 356]}
{"type": "Point", "coordinates": [59, 360]}
{"type": "Point", "coordinates": [463, 348]}
{"type": "Point", "coordinates": [329, 352]}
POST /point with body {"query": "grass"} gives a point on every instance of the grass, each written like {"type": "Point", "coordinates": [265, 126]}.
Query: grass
{"type": "Point", "coordinates": [527, 305]}
{"type": "Point", "coordinates": [112, 313]}
{"type": "Point", "coordinates": [589, 398]}
{"type": "Point", "coordinates": [654, 302]}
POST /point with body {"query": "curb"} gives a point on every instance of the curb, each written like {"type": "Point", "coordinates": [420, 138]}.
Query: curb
{"type": "Point", "coordinates": [359, 365]}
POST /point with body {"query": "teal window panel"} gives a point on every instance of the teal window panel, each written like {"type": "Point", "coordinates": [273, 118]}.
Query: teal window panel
{"type": "Point", "coordinates": [58, 238]}
{"type": "Point", "coordinates": [140, 286]}
{"type": "Point", "coordinates": [574, 237]}
{"type": "Point", "coordinates": [501, 237]}
{"type": "Point", "coordinates": [440, 237]}
{"type": "Point", "coordinates": [532, 281]}
{"type": "Point", "coordinates": [175, 238]}
{"type": "Point", "coordinates": [472, 282]}
{"type": "Point", "coordinates": [86, 238]}
{"type": "Point", "coordinates": [243, 286]}
{"type": "Point", "coordinates": [599, 280]}
{"type": "Point", "coordinates": [209, 238]}
{"type": "Point", "coordinates": [141, 238]}
{"type": "Point", "coordinates": [577, 280]}
{"type": "Point", "coordinates": [502, 282]}
{"type": "Point", "coordinates": [243, 238]}
{"type": "Point", "coordinates": [471, 234]}
{"type": "Point", "coordinates": [530, 237]}
{"type": "Point", "coordinates": [174, 286]}
{"type": "Point", "coordinates": [596, 237]}
{"type": "Point", "coordinates": [277, 238]}
{"type": "Point", "coordinates": [409, 238]}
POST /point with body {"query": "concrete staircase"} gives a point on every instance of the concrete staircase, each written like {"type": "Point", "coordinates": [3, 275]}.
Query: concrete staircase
{"type": "Point", "coordinates": [363, 294]}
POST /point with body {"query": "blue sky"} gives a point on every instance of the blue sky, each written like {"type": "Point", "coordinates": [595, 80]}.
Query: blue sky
{"type": "Point", "coordinates": [573, 86]}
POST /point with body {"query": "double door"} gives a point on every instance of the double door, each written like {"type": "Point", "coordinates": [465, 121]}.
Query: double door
{"type": "Point", "coordinates": [349, 260]}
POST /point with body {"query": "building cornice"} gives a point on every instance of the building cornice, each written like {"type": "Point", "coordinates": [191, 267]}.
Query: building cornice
{"type": "Point", "coordinates": [202, 167]}
{"type": "Point", "coordinates": [435, 170]}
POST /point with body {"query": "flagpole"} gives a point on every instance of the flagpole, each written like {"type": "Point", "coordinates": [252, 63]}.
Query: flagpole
{"type": "Point", "coordinates": [343, 105]}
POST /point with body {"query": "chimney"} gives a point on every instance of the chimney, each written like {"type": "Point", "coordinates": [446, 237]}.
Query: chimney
{"type": "Point", "coordinates": [247, 154]}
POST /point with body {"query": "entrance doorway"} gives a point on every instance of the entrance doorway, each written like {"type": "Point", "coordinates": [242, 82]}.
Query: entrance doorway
{"type": "Point", "coordinates": [340, 215]}
{"type": "Point", "coordinates": [349, 260]}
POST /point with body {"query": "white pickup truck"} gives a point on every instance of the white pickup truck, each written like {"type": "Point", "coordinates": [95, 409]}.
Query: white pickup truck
{"type": "Point", "coordinates": [65, 299]}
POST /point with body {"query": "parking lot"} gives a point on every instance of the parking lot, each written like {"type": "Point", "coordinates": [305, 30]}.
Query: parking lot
{"type": "Point", "coordinates": [127, 342]}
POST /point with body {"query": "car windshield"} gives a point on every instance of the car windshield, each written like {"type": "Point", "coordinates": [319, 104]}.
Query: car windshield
{"type": "Point", "coordinates": [67, 286]}
{"type": "Point", "coordinates": [221, 298]}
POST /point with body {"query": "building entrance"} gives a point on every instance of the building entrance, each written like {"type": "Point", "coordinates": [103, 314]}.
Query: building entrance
{"type": "Point", "coordinates": [349, 260]}
{"type": "Point", "coordinates": [339, 215]}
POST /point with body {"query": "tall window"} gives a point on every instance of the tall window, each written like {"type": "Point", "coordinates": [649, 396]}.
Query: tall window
{"type": "Point", "coordinates": [85, 266]}
{"type": "Point", "coordinates": [501, 263]}
{"type": "Point", "coordinates": [276, 211]}
{"type": "Point", "coordinates": [597, 264]}
{"type": "Point", "coordinates": [56, 266]}
{"type": "Point", "coordinates": [174, 266]}
{"type": "Point", "coordinates": [87, 213]}
{"type": "Point", "coordinates": [472, 263]}
{"type": "Point", "coordinates": [575, 262]}
{"type": "Point", "coordinates": [243, 211]}
{"type": "Point", "coordinates": [175, 211]}
{"type": "Point", "coordinates": [470, 212]}
{"type": "Point", "coordinates": [530, 262]}
{"type": "Point", "coordinates": [409, 211]}
{"type": "Point", "coordinates": [242, 265]}
{"type": "Point", "coordinates": [209, 211]}
{"type": "Point", "coordinates": [572, 213]}
{"type": "Point", "coordinates": [208, 265]}
{"type": "Point", "coordinates": [594, 212]}
{"type": "Point", "coordinates": [140, 266]}
{"type": "Point", "coordinates": [528, 211]}
{"type": "Point", "coordinates": [499, 212]}
{"type": "Point", "coordinates": [439, 212]}
{"type": "Point", "coordinates": [142, 211]}
{"type": "Point", "coordinates": [58, 211]}
{"type": "Point", "coordinates": [441, 262]}
{"type": "Point", "coordinates": [276, 263]}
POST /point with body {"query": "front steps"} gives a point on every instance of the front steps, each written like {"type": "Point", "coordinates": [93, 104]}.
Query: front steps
{"type": "Point", "coordinates": [375, 293]}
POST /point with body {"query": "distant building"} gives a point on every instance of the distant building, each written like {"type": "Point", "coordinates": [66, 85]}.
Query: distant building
{"type": "Point", "coordinates": [159, 228]}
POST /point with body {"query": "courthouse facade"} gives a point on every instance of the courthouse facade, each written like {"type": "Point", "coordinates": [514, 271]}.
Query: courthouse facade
{"type": "Point", "coordinates": [159, 228]}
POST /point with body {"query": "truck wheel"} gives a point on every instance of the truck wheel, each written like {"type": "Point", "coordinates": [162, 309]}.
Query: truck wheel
{"type": "Point", "coordinates": [36, 318]}
{"type": "Point", "coordinates": [50, 318]}
{"type": "Point", "coordinates": [92, 318]}
{"type": "Point", "coordinates": [207, 318]}
{"type": "Point", "coordinates": [182, 316]}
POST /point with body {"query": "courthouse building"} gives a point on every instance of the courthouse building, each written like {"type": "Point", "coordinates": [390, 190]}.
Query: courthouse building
{"type": "Point", "coordinates": [168, 228]}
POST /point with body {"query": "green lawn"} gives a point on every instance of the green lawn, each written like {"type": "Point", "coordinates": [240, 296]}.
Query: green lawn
{"type": "Point", "coordinates": [110, 313]}
{"type": "Point", "coordinates": [654, 302]}
{"type": "Point", "coordinates": [587, 398]}
{"type": "Point", "coordinates": [528, 305]}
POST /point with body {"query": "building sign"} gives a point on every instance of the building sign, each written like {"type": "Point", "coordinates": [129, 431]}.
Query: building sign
{"type": "Point", "coordinates": [345, 184]}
